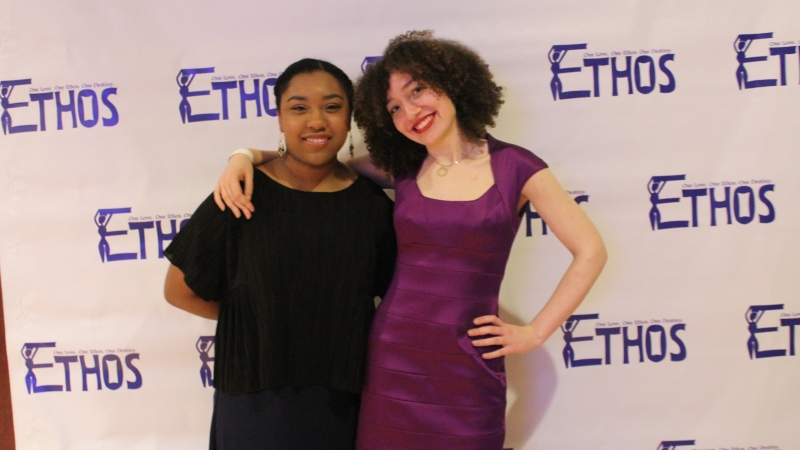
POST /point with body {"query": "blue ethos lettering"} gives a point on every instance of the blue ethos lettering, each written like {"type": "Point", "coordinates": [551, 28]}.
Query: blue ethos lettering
{"type": "Point", "coordinates": [530, 215]}
{"type": "Point", "coordinates": [83, 108]}
{"type": "Point", "coordinates": [753, 316]}
{"type": "Point", "coordinates": [205, 345]}
{"type": "Point", "coordinates": [651, 339]}
{"type": "Point", "coordinates": [368, 61]}
{"type": "Point", "coordinates": [728, 201]}
{"type": "Point", "coordinates": [742, 44]}
{"type": "Point", "coordinates": [642, 72]}
{"type": "Point", "coordinates": [251, 90]}
{"type": "Point", "coordinates": [166, 228]}
{"type": "Point", "coordinates": [672, 445]}
{"type": "Point", "coordinates": [111, 370]}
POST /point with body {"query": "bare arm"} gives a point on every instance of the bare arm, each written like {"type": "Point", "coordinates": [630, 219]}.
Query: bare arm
{"type": "Point", "coordinates": [574, 229]}
{"type": "Point", "coordinates": [363, 165]}
{"type": "Point", "coordinates": [228, 191]}
{"type": "Point", "coordinates": [179, 295]}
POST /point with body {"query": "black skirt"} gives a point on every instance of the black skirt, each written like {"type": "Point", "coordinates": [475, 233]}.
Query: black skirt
{"type": "Point", "coordinates": [291, 418]}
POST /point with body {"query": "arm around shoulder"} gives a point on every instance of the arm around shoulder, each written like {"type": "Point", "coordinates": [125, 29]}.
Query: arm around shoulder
{"type": "Point", "coordinates": [228, 191]}
{"type": "Point", "coordinates": [364, 167]}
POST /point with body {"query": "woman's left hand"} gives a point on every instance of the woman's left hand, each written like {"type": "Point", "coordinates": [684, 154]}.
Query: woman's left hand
{"type": "Point", "coordinates": [512, 338]}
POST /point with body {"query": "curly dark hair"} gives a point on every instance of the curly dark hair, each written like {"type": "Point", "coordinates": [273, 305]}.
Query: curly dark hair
{"type": "Point", "coordinates": [449, 68]}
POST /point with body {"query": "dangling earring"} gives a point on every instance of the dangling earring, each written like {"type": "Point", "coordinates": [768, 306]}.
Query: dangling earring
{"type": "Point", "coordinates": [348, 143]}
{"type": "Point", "coordinates": [281, 145]}
{"type": "Point", "coordinates": [350, 138]}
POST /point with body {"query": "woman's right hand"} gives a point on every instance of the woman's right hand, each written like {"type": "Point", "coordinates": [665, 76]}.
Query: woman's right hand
{"type": "Point", "coordinates": [228, 190]}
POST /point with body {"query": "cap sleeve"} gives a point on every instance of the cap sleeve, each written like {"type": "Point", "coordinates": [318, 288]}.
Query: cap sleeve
{"type": "Point", "coordinates": [513, 167]}
{"type": "Point", "coordinates": [204, 250]}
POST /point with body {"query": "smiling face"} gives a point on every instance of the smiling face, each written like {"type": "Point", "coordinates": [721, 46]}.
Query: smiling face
{"type": "Point", "coordinates": [314, 117]}
{"type": "Point", "coordinates": [419, 112]}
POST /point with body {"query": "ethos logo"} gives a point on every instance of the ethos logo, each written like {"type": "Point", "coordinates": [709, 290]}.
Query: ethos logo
{"type": "Point", "coordinates": [110, 368]}
{"type": "Point", "coordinates": [253, 89]}
{"type": "Point", "coordinates": [74, 104]}
{"type": "Point", "coordinates": [645, 69]}
{"type": "Point", "coordinates": [743, 200]}
{"type": "Point", "coordinates": [368, 61]}
{"type": "Point", "coordinates": [672, 445]}
{"type": "Point", "coordinates": [166, 226]}
{"type": "Point", "coordinates": [205, 346]}
{"type": "Point", "coordinates": [655, 338]}
{"type": "Point", "coordinates": [779, 48]}
{"type": "Point", "coordinates": [788, 321]}
{"type": "Point", "coordinates": [529, 215]}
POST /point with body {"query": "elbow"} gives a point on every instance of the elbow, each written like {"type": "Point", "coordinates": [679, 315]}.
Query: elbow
{"type": "Point", "coordinates": [594, 253]}
{"type": "Point", "coordinates": [599, 254]}
{"type": "Point", "coordinates": [178, 297]}
{"type": "Point", "coordinates": [170, 296]}
{"type": "Point", "coordinates": [602, 255]}
{"type": "Point", "coordinates": [175, 288]}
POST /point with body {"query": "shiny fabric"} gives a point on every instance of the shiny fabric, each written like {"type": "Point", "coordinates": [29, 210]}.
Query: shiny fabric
{"type": "Point", "coordinates": [427, 386]}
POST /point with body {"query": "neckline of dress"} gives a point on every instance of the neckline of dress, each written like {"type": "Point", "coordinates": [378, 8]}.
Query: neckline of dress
{"type": "Point", "coordinates": [492, 142]}
{"type": "Point", "coordinates": [275, 182]}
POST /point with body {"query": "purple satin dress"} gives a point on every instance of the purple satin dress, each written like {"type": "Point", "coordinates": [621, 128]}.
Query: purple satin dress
{"type": "Point", "coordinates": [426, 385]}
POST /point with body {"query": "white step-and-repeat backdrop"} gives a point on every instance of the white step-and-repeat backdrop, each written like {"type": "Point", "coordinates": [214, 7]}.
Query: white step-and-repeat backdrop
{"type": "Point", "coordinates": [673, 124]}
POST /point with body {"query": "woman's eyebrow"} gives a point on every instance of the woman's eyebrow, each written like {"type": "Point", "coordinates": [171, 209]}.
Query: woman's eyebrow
{"type": "Point", "coordinates": [402, 88]}
{"type": "Point", "coordinates": [302, 98]}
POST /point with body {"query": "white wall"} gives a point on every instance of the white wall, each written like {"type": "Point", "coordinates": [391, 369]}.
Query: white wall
{"type": "Point", "coordinates": [695, 283]}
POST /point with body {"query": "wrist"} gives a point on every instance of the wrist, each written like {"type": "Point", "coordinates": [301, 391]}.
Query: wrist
{"type": "Point", "coordinates": [536, 337]}
{"type": "Point", "coordinates": [246, 152]}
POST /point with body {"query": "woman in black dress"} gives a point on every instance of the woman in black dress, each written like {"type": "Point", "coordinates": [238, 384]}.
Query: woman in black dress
{"type": "Point", "coordinates": [293, 288]}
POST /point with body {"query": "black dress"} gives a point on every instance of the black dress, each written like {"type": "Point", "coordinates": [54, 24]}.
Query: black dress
{"type": "Point", "coordinates": [296, 285]}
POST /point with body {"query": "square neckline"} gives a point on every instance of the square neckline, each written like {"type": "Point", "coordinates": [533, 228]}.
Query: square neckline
{"type": "Point", "coordinates": [492, 143]}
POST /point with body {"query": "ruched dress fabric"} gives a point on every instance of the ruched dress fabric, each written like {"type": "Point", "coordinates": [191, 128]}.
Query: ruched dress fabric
{"type": "Point", "coordinates": [426, 385]}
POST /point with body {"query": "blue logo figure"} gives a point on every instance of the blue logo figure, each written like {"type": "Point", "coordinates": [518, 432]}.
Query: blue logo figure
{"type": "Point", "coordinates": [556, 55]}
{"type": "Point", "coordinates": [569, 354]}
{"type": "Point", "coordinates": [101, 219]}
{"type": "Point", "coordinates": [368, 61]}
{"type": "Point", "coordinates": [753, 315]}
{"type": "Point", "coordinates": [6, 88]}
{"type": "Point", "coordinates": [184, 79]}
{"type": "Point", "coordinates": [654, 186]}
{"type": "Point", "coordinates": [28, 352]}
{"type": "Point", "coordinates": [5, 92]}
{"type": "Point", "coordinates": [741, 44]}
{"type": "Point", "coordinates": [672, 445]}
{"type": "Point", "coordinates": [204, 345]}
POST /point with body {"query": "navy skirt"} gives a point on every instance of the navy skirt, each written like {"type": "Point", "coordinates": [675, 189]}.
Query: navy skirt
{"type": "Point", "coordinates": [291, 418]}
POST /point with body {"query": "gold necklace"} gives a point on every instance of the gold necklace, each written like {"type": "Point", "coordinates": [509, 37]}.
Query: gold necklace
{"type": "Point", "coordinates": [443, 168]}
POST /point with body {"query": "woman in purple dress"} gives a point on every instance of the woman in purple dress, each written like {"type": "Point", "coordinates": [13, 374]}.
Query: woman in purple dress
{"type": "Point", "coordinates": [435, 375]}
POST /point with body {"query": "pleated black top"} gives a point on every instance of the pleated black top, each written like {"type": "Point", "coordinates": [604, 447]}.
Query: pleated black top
{"type": "Point", "coordinates": [295, 283]}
